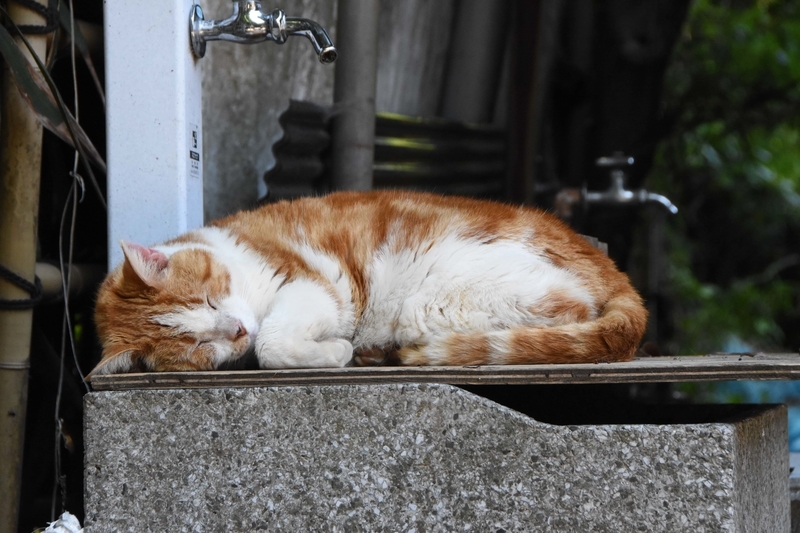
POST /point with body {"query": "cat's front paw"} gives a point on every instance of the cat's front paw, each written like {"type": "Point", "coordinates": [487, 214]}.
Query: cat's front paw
{"type": "Point", "coordinates": [340, 352]}
{"type": "Point", "coordinates": [296, 353]}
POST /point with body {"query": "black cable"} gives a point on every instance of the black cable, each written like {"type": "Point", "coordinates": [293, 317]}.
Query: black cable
{"type": "Point", "coordinates": [51, 21]}
{"type": "Point", "coordinates": [34, 289]}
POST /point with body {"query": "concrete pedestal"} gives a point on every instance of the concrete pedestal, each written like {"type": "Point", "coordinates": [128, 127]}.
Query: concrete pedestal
{"type": "Point", "coordinates": [418, 458]}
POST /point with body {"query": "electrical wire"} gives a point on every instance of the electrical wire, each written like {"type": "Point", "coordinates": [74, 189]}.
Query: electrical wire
{"type": "Point", "coordinates": [74, 199]}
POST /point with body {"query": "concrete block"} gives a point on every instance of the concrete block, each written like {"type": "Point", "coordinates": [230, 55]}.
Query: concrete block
{"type": "Point", "coordinates": [418, 458]}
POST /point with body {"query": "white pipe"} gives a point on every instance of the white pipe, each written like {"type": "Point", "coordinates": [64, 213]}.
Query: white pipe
{"type": "Point", "coordinates": [83, 278]}
{"type": "Point", "coordinates": [155, 174]}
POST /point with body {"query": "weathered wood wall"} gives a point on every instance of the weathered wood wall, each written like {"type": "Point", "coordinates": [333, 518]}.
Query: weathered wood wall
{"type": "Point", "coordinates": [414, 39]}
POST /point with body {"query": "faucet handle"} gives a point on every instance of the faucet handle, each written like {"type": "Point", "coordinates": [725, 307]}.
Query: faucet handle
{"type": "Point", "coordinates": [617, 160]}
{"type": "Point", "coordinates": [196, 39]}
{"type": "Point", "coordinates": [277, 26]}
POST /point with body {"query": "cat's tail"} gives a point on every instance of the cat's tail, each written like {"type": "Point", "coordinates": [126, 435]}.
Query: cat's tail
{"type": "Point", "coordinates": [612, 336]}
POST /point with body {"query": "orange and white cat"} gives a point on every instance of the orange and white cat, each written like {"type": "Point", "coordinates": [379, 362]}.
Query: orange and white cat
{"type": "Point", "coordinates": [426, 279]}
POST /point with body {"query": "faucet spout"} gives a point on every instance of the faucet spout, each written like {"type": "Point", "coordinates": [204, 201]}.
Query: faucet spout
{"type": "Point", "coordinates": [617, 194]}
{"type": "Point", "coordinates": [651, 197]}
{"type": "Point", "coordinates": [315, 33]}
{"type": "Point", "coordinates": [249, 24]}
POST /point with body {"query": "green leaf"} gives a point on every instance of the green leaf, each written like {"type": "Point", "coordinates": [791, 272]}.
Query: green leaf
{"type": "Point", "coordinates": [41, 104]}
{"type": "Point", "coordinates": [39, 82]}
{"type": "Point", "coordinates": [49, 110]}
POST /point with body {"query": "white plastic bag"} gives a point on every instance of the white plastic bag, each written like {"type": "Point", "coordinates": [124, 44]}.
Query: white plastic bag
{"type": "Point", "coordinates": [66, 523]}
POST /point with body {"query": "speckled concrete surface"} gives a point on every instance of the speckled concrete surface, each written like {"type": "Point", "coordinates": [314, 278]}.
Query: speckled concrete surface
{"type": "Point", "coordinates": [416, 458]}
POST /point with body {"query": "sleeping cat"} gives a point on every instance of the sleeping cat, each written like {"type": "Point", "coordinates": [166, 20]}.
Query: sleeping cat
{"type": "Point", "coordinates": [414, 278]}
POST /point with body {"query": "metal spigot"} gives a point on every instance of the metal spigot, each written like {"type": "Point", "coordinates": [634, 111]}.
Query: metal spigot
{"type": "Point", "coordinates": [250, 24]}
{"type": "Point", "coordinates": [617, 194]}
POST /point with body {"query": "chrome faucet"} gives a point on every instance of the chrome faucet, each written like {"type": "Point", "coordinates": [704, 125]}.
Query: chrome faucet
{"type": "Point", "coordinates": [617, 194]}
{"type": "Point", "coordinates": [250, 24]}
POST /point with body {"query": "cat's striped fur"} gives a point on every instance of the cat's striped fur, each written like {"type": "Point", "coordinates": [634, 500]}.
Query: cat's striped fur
{"type": "Point", "coordinates": [424, 279]}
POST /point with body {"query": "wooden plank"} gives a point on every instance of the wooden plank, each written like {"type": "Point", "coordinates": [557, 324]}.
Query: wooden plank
{"type": "Point", "coordinates": [728, 367]}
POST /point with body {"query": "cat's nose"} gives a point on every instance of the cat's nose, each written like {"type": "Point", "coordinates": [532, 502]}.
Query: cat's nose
{"type": "Point", "coordinates": [233, 328]}
{"type": "Point", "coordinates": [239, 330]}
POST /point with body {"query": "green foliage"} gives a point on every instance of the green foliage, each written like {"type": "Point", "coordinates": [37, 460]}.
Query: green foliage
{"type": "Point", "coordinates": [732, 162]}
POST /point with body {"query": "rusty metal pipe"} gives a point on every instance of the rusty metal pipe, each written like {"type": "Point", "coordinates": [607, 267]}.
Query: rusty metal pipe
{"type": "Point", "coordinates": [353, 124]}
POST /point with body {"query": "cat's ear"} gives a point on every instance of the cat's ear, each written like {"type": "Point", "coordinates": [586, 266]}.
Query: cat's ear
{"type": "Point", "coordinates": [143, 264]}
{"type": "Point", "coordinates": [120, 363]}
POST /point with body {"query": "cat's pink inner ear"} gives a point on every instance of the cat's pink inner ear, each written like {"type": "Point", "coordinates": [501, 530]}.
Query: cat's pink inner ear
{"type": "Point", "coordinates": [147, 263]}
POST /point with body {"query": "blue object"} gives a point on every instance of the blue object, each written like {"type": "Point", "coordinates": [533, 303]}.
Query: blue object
{"type": "Point", "coordinates": [786, 392]}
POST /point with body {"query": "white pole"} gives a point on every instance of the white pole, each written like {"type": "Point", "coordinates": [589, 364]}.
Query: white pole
{"type": "Point", "coordinates": [154, 135]}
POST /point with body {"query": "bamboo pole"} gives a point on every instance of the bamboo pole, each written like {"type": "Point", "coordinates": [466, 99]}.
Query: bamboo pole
{"type": "Point", "coordinates": [20, 167]}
